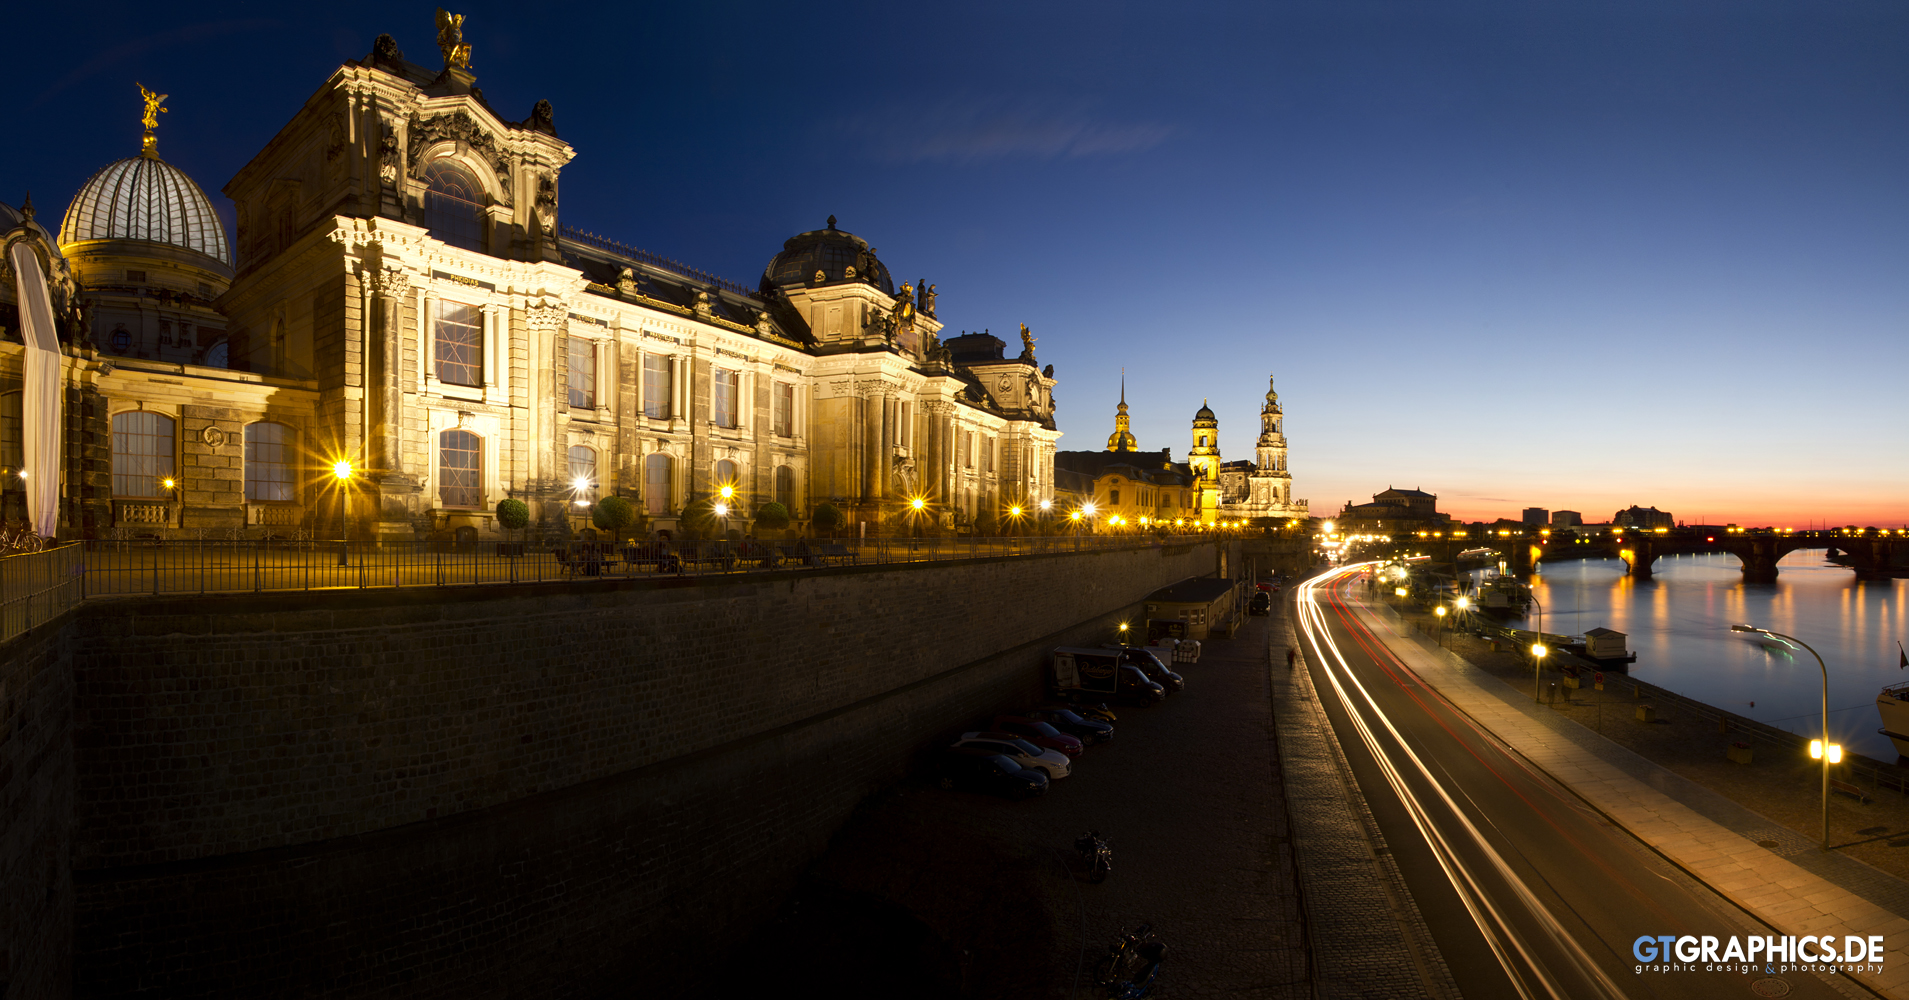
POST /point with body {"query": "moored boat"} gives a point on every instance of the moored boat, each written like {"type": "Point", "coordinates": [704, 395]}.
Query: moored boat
{"type": "Point", "coordinates": [1893, 705]}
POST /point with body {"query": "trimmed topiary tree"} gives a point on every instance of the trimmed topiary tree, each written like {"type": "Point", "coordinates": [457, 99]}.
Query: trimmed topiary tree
{"type": "Point", "coordinates": [773, 516]}
{"type": "Point", "coordinates": [513, 514]}
{"type": "Point", "coordinates": [699, 519]}
{"type": "Point", "coordinates": [985, 523]}
{"type": "Point", "coordinates": [826, 517]}
{"type": "Point", "coordinates": [614, 515]}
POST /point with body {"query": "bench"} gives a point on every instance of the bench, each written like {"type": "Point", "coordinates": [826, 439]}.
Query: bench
{"type": "Point", "coordinates": [766, 556]}
{"type": "Point", "coordinates": [823, 551]}
{"type": "Point", "coordinates": [656, 554]}
{"type": "Point", "coordinates": [1848, 789]}
{"type": "Point", "coordinates": [704, 553]}
{"type": "Point", "coordinates": [587, 558]}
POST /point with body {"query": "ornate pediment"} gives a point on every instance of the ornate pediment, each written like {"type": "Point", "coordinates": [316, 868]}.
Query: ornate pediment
{"type": "Point", "coordinates": [457, 126]}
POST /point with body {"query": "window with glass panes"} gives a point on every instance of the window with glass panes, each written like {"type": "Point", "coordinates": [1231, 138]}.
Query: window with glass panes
{"type": "Point", "coordinates": [656, 483]}
{"type": "Point", "coordinates": [725, 392]}
{"type": "Point", "coordinates": [656, 386]}
{"type": "Point", "coordinates": [459, 344]}
{"type": "Point", "coordinates": [583, 470]}
{"type": "Point", "coordinates": [453, 206]}
{"type": "Point", "coordinates": [784, 409]}
{"type": "Point", "coordinates": [583, 373]}
{"type": "Point", "coordinates": [142, 453]}
{"type": "Point", "coordinates": [785, 486]}
{"type": "Point", "coordinates": [460, 465]}
{"type": "Point", "coordinates": [268, 462]}
{"type": "Point", "coordinates": [13, 455]}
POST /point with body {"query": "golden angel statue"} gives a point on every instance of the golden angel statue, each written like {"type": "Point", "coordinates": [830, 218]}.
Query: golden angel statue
{"type": "Point", "coordinates": [450, 40]}
{"type": "Point", "coordinates": [1027, 340]}
{"type": "Point", "coordinates": [149, 145]}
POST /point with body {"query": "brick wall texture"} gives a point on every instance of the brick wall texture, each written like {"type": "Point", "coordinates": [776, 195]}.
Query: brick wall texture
{"type": "Point", "coordinates": [36, 812]}
{"type": "Point", "coordinates": [526, 792]}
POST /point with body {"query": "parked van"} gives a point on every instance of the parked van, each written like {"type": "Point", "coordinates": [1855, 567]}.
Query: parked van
{"type": "Point", "coordinates": [1101, 672]}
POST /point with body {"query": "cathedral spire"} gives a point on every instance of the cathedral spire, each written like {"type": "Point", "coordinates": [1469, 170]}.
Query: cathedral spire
{"type": "Point", "coordinates": [1122, 438]}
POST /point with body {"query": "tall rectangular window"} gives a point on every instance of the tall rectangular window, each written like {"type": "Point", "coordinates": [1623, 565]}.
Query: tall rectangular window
{"type": "Point", "coordinates": [459, 345]}
{"type": "Point", "coordinates": [725, 391]}
{"type": "Point", "coordinates": [268, 462]}
{"type": "Point", "coordinates": [987, 455]}
{"type": "Point", "coordinates": [142, 454]}
{"type": "Point", "coordinates": [656, 386]}
{"type": "Point", "coordinates": [656, 482]}
{"type": "Point", "coordinates": [784, 396]}
{"type": "Point", "coordinates": [460, 468]}
{"type": "Point", "coordinates": [967, 449]}
{"type": "Point", "coordinates": [583, 373]}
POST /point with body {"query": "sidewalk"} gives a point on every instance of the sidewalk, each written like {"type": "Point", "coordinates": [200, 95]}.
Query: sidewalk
{"type": "Point", "coordinates": [1794, 889]}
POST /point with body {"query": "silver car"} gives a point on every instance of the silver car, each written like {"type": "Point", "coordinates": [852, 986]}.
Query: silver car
{"type": "Point", "coordinates": [1019, 751]}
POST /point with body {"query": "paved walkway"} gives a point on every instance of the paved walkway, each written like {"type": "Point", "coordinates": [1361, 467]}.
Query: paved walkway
{"type": "Point", "coordinates": [1368, 937]}
{"type": "Point", "coordinates": [1793, 887]}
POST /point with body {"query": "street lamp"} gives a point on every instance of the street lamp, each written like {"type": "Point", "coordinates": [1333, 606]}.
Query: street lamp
{"type": "Point", "coordinates": [1440, 612]}
{"type": "Point", "coordinates": [341, 471]}
{"type": "Point", "coordinates": [1822, 749]}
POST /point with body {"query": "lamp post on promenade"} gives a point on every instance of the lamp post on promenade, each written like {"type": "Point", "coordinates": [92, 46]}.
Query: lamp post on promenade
{"type": "Point", "coordinates": [341, 471]}
{"type": "Point", "coordinates": [1538, 652]}
{"type": "Point", "coordinates": [1828, 752]}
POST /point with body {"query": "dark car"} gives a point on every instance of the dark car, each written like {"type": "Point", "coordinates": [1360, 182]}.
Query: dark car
{"type": "Point", "coordinates": [1039, 733]}
{"type": "Point", "coordinates": [981, 770]}
{"type": "Point", "coordinates": [1261, 604]}
{"type": "Point", "coordinates": [1074, 724]}
{"type": "Point", "coordinates": [1135, 684]}
{"type": "Point", "coordinates": [1153, 663]}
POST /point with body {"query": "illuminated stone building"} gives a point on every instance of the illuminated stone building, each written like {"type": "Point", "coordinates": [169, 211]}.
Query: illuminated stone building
{"type": "Point", "coordinates": [1138, 487]}
{"type": "Point", "coordinates": [403, 296]}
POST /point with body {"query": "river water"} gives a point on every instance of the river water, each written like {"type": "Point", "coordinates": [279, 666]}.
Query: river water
{"type": "Point", "coordinates": [1679, 626]}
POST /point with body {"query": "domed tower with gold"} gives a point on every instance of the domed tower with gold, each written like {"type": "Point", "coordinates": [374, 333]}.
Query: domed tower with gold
{"type": "Point", "coordinates": [151, 256]}
{"type": "Point", "coordinates": [1204, 460]}
{"type": "Point", "coordinates": [1122, 438]}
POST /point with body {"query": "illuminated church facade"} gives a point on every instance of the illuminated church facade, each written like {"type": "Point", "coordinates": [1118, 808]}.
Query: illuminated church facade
{"type": "Point", "coordinates": [402, 297]}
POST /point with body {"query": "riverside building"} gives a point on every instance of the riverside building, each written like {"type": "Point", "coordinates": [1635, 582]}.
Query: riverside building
{"type": "Point", "coordinates": [404, 316]}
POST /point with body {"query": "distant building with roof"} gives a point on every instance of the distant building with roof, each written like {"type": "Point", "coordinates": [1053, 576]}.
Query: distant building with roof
{"type": "Point", "coordinates": [1392, 511]}
{"type": "Point", "coordinates": [1643, 517]}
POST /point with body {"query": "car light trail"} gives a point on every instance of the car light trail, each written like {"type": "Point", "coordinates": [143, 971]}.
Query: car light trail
{"type": "Point", "coordinates": [1494, 925]}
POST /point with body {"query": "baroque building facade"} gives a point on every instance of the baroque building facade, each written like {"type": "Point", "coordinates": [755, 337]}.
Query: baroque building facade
{"type": "Point", "coordinates": [402, 296]}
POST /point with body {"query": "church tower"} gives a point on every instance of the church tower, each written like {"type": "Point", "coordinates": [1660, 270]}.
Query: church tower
{"type": "Point", "coordinates": [1204, 460]}
{"type": "Point", "coordinates": [1122, 438]}
{"type": "Point", "coordinates": [1271, 482]}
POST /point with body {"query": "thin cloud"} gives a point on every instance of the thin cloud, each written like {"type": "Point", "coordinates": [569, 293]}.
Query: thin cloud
{"type": "Point", "coordinates": [118, 54]}
{"type": "Point", "coordinates": [971, 132]}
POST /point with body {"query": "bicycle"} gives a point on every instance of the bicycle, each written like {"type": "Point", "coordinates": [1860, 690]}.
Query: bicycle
{"type": "Point", "coordinates": [1131, 965]}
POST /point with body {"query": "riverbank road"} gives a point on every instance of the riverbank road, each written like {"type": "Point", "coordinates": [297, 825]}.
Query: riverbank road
{"type": "Point", "coordinates": [1531, 857]}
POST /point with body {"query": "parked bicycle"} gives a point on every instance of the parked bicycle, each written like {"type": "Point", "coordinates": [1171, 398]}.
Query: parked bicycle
{"type": "Point", "coordinates": [1132, 964]}
{"type": "Point", "coordinates": [14, 541]}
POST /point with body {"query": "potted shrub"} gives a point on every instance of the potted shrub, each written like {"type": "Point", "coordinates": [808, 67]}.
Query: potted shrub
{"type": "Point", "coordinates": [773, 516]}
{"type": "Point", "coordinates": [826, 518]}
{"type": "Point", "coordinates": [514, 515]}
{"type": "Point", "coordinates": [614, 515]}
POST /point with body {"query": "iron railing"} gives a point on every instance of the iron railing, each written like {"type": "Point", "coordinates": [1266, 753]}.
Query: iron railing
{"type": "Point", "coordinates": [36, 587]}
{"type": "Point", "coordinates": [209, 566]}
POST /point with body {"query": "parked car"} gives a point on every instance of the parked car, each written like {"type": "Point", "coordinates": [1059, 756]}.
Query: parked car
{"type": "Point", "coordinates": [1039, 733]}
{"type": "Point", "coordinates": [1261, 604]}
{"type": "Point", "coordinates": [1138, 686]}
{"type": "Point", "coordinates": [978, 769]}
{"type": "Point", "coordinates": [1019, 751]}
{"type": "Point", "coordinates": [1151, 662]}
{"type": "Point", "coordinates": [1074, 724]}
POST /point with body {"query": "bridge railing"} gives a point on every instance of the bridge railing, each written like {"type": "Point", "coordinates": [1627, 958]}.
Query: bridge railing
{"type": "Point", "coordinates": [36, 587]}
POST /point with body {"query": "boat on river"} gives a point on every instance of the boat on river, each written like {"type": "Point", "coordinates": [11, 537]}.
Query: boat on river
{"type": "Point", "coordinates": [1893, 705]}
{"type": "Point", "coordinates": [1505, 597]}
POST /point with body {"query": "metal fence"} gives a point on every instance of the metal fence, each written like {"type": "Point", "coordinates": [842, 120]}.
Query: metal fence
{"type": "Point", "coordinates": [207, 566]}
{"type": "Point", "coordinates": [35, 587]}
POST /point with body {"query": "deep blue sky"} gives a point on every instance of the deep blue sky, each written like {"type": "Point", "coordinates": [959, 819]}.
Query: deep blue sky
{"type": "Point", "coordinates": [1566, 255]}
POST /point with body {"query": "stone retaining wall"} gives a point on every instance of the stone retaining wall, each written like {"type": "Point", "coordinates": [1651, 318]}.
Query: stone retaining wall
{"type": "Point", "coordinates": [523, 791]}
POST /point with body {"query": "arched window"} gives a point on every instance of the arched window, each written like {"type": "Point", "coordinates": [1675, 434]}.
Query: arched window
{"type": "Point", "coordinates": [656, 483]}
{"type": "Point", "coordinates": [785, 486]}
{"type": "Point", "coordinates": [218, 355]}
{"type": "Point", "coordinates": [583, 471]}
{"type": "Point", "coordinates": [13, 453]}
{"type": "Point", "coordinates": [142, 454]}
{"type": "Point", "coordinates": [453, 206]}
{"type": "Point", "coordinates": [268, 462]}
{"type": "Point", "coordinates": [460, 466]}
{"type": "Point", "coordinates": [726, 475]}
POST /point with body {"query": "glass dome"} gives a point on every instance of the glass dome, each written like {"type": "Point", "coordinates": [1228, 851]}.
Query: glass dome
{"type": "Point", "coordinates": [145, 198]}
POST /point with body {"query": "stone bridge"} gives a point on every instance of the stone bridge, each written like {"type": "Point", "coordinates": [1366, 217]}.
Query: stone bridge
{"type": "Point", "coordinates": [1873, 555]}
